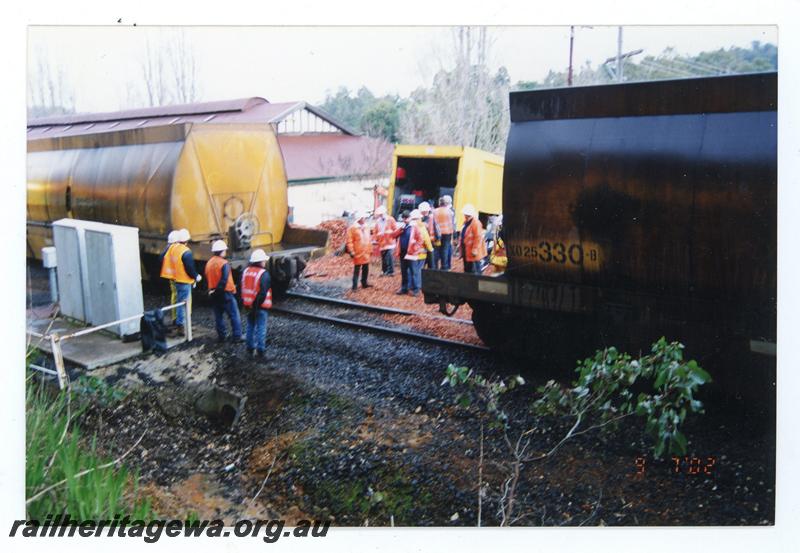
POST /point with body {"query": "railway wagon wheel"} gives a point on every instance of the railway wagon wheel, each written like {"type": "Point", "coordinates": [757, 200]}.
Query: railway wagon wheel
{"type": "Point", "coordinates": [490, 325]}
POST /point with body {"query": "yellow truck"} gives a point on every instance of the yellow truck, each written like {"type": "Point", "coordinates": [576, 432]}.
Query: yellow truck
{"type": "Point", "coordinates": [426, 173]}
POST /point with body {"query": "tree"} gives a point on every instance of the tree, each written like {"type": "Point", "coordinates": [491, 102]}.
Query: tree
{"type": "Point", "coordinates": [49, 91]}
{"type": "Point", "coordinates": [168, 72]}
{"type": "Point", "coordinates": [526, 85]}
{"type": "Point", "coordinates": [465, 105]}
{"type": "Point", "coordinates": [375, 116]}
{"type": "Point", "coordinates": [184, 69]}
{"type": "Point", "coordinates": [382, 119]}
{"type": "Point", "coordinates": [154, 78]}
{"type": "Point", "coordinates": [670, 65]}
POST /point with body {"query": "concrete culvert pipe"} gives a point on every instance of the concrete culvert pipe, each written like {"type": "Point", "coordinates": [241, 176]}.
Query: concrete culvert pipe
{"type": "Point", "coordinates": [221, 406]}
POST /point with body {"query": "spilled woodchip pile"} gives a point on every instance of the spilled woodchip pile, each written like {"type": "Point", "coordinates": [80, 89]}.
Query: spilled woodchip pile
{"type": "Point", "coordinates": [335, 270]}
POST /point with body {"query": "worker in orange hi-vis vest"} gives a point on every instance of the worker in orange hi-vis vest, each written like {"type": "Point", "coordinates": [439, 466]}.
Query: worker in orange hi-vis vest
{"type": "Point", "coordinates": [445, 219]}
{"type": "Point", "coordinates": [359, 247]}
{"type": "Point", "coordinates": [430, 226]}
{"type": "Point", "coordinates": [178, 261]}
{"type": "Point", "coordinates": [168, 271]}
{"type": "Point", "coordinates": [473, 244]}
{"type": "Point", "coordinates": [256, 296]}
{"type": "Point", "coordinates": [383, 235]}
{"type": "Point", "coordinates": [222, 292]}
{"type": "Point", "coordinates": [419, 246]}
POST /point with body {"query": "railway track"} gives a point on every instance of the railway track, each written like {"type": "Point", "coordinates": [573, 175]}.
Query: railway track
{"type": "Point", "coordinates": [376, 308]}
{"type": "Point", "coordinates": [369, 326]}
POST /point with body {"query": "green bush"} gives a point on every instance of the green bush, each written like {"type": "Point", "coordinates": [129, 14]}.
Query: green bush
{"type": "Point", "coordinates": [603, 393]}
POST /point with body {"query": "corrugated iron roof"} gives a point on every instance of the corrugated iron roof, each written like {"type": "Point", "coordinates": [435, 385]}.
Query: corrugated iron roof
{"type": "Point", "coordinates": [241, 104]}
{"type": "Point", "coordinates": [243, 110]}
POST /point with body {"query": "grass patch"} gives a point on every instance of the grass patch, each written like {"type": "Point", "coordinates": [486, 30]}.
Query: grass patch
{"type": "Point", "coordinates": [56, 452]}
{"type": "Point", "coordinates": [383, 493]}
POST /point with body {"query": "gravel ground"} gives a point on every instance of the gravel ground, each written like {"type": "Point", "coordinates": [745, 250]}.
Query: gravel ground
{"type": "Point", "coordinates": [355, 427]}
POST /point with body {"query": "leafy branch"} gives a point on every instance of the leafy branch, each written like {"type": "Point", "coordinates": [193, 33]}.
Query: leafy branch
{"type": "Point", "coordinates": [600, 398]}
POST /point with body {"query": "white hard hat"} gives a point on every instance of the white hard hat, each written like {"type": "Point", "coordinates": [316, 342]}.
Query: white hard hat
{"type": "Point", "coordinates": [447, 199]}
{"type": "Point", "coordinates": [184, 236]}
{"type": "Point", "coordinates": [173, 236]}
{"type": "Point", "coordinates": [258, 255]}
{"type": "Point", "coordinates": [424, 206]}
{"type": "Point", "coordinates": [469, 210]}
{"type": "Point", "coordinates": [415, 214]}
{"type": "Point", "coordinates": [219, 246]}
{"type": "Point", "coordinates": [380, 210]}
{"type": "Point", "coordinates": [360, 214]}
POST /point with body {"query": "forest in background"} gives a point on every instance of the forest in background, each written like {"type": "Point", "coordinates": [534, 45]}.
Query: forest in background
{"type": "Point", "coordinates": [466, 105]}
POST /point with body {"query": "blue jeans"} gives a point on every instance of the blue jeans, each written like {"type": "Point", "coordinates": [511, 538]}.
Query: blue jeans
{"type": "Point", "coordinates": [183, 293]}
{"type": "Point", "coordinates": [473, 267]}
{"type": "Point", "coordinates": [257, 329]}
{"type": "Point", "coordinates": [387, 263]}
{"type": "Point", "coordinates": [228, 305]}
{"type": "Point", "coordinates": [443, 255]}
{"type": "Point", "coordinates": [405, 269]}
{"type": "Point", "coordinates": [415, 274]}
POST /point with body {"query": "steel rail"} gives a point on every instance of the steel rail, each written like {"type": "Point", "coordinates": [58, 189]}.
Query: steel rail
{"type": "Point", "coordinates": [377, 308]}
{"type": "Point", "coordinates": [379, 328]}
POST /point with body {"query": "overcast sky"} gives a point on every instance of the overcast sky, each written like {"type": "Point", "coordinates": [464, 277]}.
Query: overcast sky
{"type": "Point", "coordinates": [302, 63]}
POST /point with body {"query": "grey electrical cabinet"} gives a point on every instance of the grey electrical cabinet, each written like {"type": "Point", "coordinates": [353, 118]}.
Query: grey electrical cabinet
{"type": "Point", "coordinates": [102, 282]}
{"type": "Point", "coordinates": [67, 239]}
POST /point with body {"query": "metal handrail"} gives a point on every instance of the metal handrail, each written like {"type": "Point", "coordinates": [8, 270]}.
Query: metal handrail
{"type": "Point", "coordinates": [102, 326]}
{"type": "Point", "coordinates": [55, 339]}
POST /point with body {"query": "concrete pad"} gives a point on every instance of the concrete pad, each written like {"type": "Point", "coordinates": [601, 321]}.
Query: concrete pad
{"type": "Point", "coordinates": [97, 349]}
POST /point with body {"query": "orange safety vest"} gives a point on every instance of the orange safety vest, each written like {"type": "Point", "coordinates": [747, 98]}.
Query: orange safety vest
{"type": "Point", "coordinates": [417, 248]}
{"type": "Point", "coordinates": [444, 219]}
{"type": "Point", "coordinates": [167, 268]}
{"type": "Point", "coordinates": [474, 241]}
{"type": "Point", "coordinates": [358, 243]}
{"type": "Point", "coordinates": [214, 273]}
{"type": "Point", "coordinates": [173, 262]}
{"type": "Point", "coordinates": [384, 232]}
{"type": "Point", "coordinates": [251, 280]}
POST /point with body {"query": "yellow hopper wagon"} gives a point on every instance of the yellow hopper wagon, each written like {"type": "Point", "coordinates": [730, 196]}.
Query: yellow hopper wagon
{"type": "Point", "coordinates": [426, 173]}
{"type": "Point", "coordinates": [218, 180]}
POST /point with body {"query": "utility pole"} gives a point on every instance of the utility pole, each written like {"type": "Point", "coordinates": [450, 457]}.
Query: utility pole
{"type": "Point", "coordinates": [619, 54]}
{"type": "Point", "coordinates": [571, 41]}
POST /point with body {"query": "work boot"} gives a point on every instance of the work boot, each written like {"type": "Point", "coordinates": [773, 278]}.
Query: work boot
{"type": "Point", "coordinates": [414, 292]}
{"type": "Point", "coordinates": [401, 292]}
{"type": "Point", "coordinates": [251, 352]}
{"type": "Point", "coordinates": [238, 339]}
{"type": "Point", "coordinates": [366, 285]}
{"type": "Point", "coordinates": [261, 354]}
